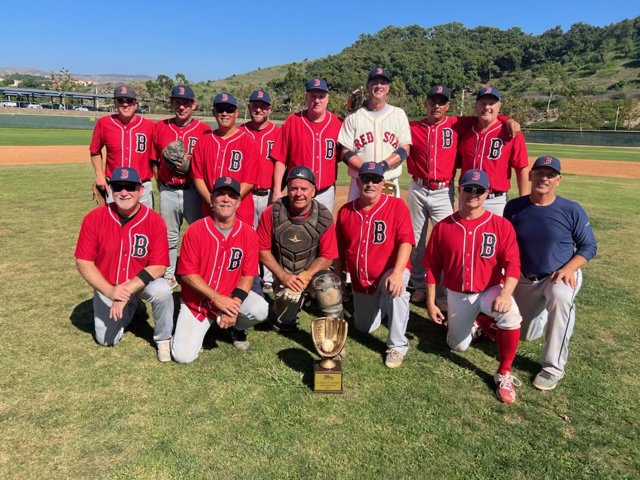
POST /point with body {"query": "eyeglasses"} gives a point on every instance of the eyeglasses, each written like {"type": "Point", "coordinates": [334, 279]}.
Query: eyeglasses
{"type": "Point", "coordinates": [229, 192]}
{"type": "Point", "coordinates": [225, 108]}
{"type": "Point", "coordinates": [125, 100]}
{"type": "Point", "coordinates": [118, 187]}
{"type": "Point", "coordinates": [371, 179]}
{"type": "Point", "coordinates": [476, 190]}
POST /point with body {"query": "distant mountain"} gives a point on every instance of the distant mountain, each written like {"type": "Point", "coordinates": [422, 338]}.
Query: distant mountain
{"type": "Point", "coordinates": [99, 78]}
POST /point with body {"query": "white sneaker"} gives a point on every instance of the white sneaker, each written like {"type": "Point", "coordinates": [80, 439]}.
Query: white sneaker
{"type": "Point", "coordinates": [164, 351]}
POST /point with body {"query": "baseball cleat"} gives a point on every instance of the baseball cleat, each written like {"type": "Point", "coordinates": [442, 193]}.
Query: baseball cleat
{"type": "Point", "coordinates": [545, 381]}
{"type": "Point", "coordinates": [239, 338]}
{"type": "Point", "coordinates": [164, 351]}
{"type": "Point", "coordinates": [506, 387]}
{"type": "Point", "coordinates": [394, 358]}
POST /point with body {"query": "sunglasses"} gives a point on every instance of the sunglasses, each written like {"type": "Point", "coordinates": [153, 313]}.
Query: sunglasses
{"type": "Point", "coordinates": [225, 108]}
{"type": "Point", "coordinates": [118, 187]}
{"type": "Point", "coordinates": [371, 179]}
{"type": "Point", "coordinates": [476, 190]}
{"type": "Point", "coordinates": [125, 100]}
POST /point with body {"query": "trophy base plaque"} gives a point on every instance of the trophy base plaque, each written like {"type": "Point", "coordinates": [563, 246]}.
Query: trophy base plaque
{"type": "Point", "coordinates": [327, 379]}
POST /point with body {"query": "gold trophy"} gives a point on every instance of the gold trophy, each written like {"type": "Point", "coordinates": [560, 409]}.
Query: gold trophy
{"type": "Point", "coordinates": [329, 336]}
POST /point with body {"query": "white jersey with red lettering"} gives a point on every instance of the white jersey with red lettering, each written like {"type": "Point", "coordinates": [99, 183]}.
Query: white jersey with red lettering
{"type": "Point", "coordinates": [167, 131]}
{"type": "Point", "coordinates": [127, 145]}
{"type": "Point", "coordinates": [121, 251]}
{"type": "Point", "coordinates": [373, 137]}
{"type": "Point", "coordinates": [235, 157]}
{"type": "Point", "coordinates": [310, 144]}
{"type": "Point", "coordinates": [220, 261]}
{"type": "Point", "coordinates": [369, 239]}
{"type": "Point", "coordinates": [472, 253]}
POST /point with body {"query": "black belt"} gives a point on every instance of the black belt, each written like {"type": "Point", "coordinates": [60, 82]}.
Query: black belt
{"type": "Point", "coordinates": [184, 186]}
{"type": "Point", "coordinates": [496, 194]}
{"type": "Point", "coordinates": [261, 192]}
{"type": "Point", "coordinates": [536, 278]}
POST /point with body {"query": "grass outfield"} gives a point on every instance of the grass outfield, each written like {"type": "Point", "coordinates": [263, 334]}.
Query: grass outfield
{"type": "Point", "coordinates": [587, 152]}
{"type": "Point", "coordinates": [72, 409]}
{"type": "Point", "coordinates": [43, 136]}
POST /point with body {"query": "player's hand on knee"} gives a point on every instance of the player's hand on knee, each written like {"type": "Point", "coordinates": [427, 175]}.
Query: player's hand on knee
{"type": "Point", "coordinates": [227, 305]}
{"type": "Point", "coordinates": [226, 321]}
{"type": "Point", "coordinates": [116, 312]}
{"type": "Point", "coordinates": [120, 293]}
{"type": "Point", "coordinates": [566, 275]}
{"type": "Point", "coordinates": [435, 314]}
{"type": "Point", "coordinates": [502, 303]}
{"type": "Point", "coordinates": [394, 285]}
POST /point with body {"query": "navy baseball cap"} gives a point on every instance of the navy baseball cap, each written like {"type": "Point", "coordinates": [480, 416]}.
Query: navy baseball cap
{"type": "Point", "coordinates": [547, 161]}
{"type": "Point", "coordinates": [371, 168]}
{"type": "Point", "coordinates": [227, 182]}
{"type": "Point", "coordinates": [182, 91]}
{"type": "Point", "coordinates": [124, 91]}
{"type": "Point", "coordinates": [316, 83]}
{"type": "Point", "coordinates": [439, 90]}
{"type": "Point", "coordinates": [475, 177]}
{"type": "Point", "coordinates": [260, 96]}
{"type": "Point", "coordinates": [125, 174]}
{"type": "Point", "coordinates": [302, 172]}
{"type": "Point", "coordinates": [379, 72]}
{"type": "Point", "coordinates": [484, 91]}
{"type": "Point", "coordinates": [225, 98]}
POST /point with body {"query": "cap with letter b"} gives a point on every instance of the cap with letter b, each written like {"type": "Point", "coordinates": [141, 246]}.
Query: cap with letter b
{"type": "Point", "coordinates": [475, 177]}
{"type": "Point", "coordinates": [124, 91]}
{"type": "Point", "coordinates": [547, 161]}
{"type": "Point", "coordinates": [125, 174]}
{"type": "Point", "coordinates": [182, 91]}
{"type": "Point", "coordinates": [226, 182]}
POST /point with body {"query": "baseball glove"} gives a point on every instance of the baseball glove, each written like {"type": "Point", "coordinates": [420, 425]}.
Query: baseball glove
{"type": "Point", "coordinates": [176, 158]}
{"type": "Point", "coordinates": [99, 194]}
{"type": "Point", "coordinates": [355, 100]}
{"type": "Point", "coordinates": [389, 188]}
{"type": "Point", "coordinates": [329, 335]}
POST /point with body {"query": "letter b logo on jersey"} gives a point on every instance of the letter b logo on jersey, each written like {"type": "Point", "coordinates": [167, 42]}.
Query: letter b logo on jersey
{"type": "Point", "coordinates": [379, 231]}
{"type": "Point", "coordinates": [330, 148]}
{"type": "Point", "coordinates": [141, 142]}
{"type": "Point", "coordinates": [488, 248]}
{"type": "Point", "coordinates": [447, 138]}
{"type": "Point", "coordinates": [140, 246]}
{"type": "Point", "coordinates": [235, 259]}
{"type": "Point", "coordinates": [496, 149]}
{"type": "Point", "coordinates": [235, 162]}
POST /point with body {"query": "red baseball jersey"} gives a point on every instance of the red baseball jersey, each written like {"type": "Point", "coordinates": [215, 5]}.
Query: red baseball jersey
{"type": "Point", "coordinates": [265, 139]}
{"type": "Point", "coordinates": [121, 251]}
{"type": "Point", "coordinates": [472, 253]}
{"type": "Point", "coordinates": [493, 151]}
{"type": "Point", "coordinates": [327, 247]}
{"type": "Point", "coordinates": [310, 144]}
{"type": "Point", "coordinates": [220, 261]}
{"type": "Point", "coordinates": [369, 239]}
{"type": "Point", "coordinates": [236, 157]}
{"type": "Point", "coordinates": [127, 145]}
{"type": "Point", "coordinates": [165, 132]}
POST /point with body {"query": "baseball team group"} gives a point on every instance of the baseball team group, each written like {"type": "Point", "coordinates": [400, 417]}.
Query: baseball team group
{"type": "Point", "coordinates": [259, 201]}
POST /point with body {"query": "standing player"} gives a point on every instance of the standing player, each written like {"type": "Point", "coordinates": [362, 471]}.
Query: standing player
{"type": "Point", "coordinates": [375, 240]}
{"type": "Point", "coordinates": [556, 240]}
{"type": "Point", "coordinates": [127, 138]}
{"type": "Point", "coordinates": [227, 151]}
{"type": "Point", "coordinates": [377, 132]}
{"type": "Point", "coordinates": [122, 253]}
{"type": "Point", "coordinates": [478, 253]}
{"type": "Point", "coordinates": [218, 262]}
{"type": "Point", "coordinates": [266, 134]}
{"type": "Point", "coordinates": [488, 146]}
{"type": "Point", "coordinates": [179, 200]}
{"type": "Point", "coordinates": [309, 138]}
{"type": "Point", "coordinates": [298, 244]}
{"type": "Point", "coordinates": [432, 166]}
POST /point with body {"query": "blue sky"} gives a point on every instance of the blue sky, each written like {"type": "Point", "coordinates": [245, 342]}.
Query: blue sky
{"type": "Point", "coordinates": [212, 40]}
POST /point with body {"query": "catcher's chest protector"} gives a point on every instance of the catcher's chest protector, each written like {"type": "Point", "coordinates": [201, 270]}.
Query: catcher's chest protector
{"type": "Point", "coordinates": [295, 242]}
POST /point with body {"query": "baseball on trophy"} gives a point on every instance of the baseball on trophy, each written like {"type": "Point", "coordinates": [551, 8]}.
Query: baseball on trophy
{"type": "Point", "coordinates": [327, 345]}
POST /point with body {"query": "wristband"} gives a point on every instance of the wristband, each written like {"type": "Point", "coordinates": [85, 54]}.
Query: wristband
{"type": "Point", "coordinates": [241, 294]}
{"type": "Point", "coordinates": [384, 165]}
{"type": "Point", "coordinates": [347, 156]}
{"type": "Point", "coordinates": [402, 153]}
{"type": "Point", "coordinates": [145, 277]}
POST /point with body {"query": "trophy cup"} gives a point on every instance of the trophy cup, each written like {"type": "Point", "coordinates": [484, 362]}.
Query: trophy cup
{"type": "Point", "coordinates": [329, 336]}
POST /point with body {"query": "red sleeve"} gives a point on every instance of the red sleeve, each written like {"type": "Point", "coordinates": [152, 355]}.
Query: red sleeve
{"type": "Point", "coordinates": [404, 234]}
{"type": "Point", "coordinates": [510, 251]}
{"type": "Point", "coordinates": [462, 124]}
{"type": "Point", "coordinates": [279, 151]}
{"type": "Point", "coordinates": [188, 261]}
{"type": "Point", "coordinates": [197, 159]}
{"type": "Point", "coordinates": [96, 139]}
{"type": "Point", "coordinates": [519, 155]}
{"type": "Point", "coordinates": [264, 229]}
{"type": "Point", "coordinates": [432, 257]}
{"type": "Point", "coordinates": [250, 262]}
{"type": "Point", "coordinates": [87, 246]}
{"type": "Point", "coordinates": [159, 245]}
{"type": "Point", "coordinates": [328, 247]}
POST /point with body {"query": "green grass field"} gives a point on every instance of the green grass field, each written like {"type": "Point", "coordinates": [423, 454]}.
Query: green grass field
{"type": "Point", "coordinates": [622, 154]}
{"type": "Point", "coordinates": [44, 136]}
{"type": "Point", "coordinates": [72, 409]}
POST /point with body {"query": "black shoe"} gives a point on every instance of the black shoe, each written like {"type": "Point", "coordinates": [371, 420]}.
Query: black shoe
{"type": "Point", "coordinates": [239, 339]}
{"type": "Point", "coordinates": [284, 327]}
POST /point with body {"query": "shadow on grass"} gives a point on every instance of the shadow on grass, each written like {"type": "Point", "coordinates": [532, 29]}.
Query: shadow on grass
{"type": "Point", "coordinates": [300, 361]}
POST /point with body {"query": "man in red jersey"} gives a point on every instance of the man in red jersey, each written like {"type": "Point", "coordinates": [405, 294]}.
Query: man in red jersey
{"type": "Point", "coordinates": [226, 151]}
{"type": "Point", "coordinates": [179, 199]}
{"type": "Point", "coordinates": [217, 265]}
{"type": "Point", "coordinates": [310, 139]}
{"type": "Point", "coordinates": [478, 254]}
{"type": "Point", "coordinates": [127, 139]}
{"type": "Point", "coordinates": [122, 253]}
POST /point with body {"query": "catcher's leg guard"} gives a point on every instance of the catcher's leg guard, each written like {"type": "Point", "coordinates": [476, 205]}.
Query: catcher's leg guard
{"type": "Point", "coordinates": [326, 288]}
{"type": "Point", "coordinates": [286, 308]}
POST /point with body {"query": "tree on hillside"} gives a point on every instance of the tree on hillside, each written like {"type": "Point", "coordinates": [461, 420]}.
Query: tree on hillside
{"type": "Point", "coordinates": [556, 75]}
{"type": "Point", "coordinates": [629, 112]}
{"type": "Point", "coordinates": [582, 111]}
{"type": "Point", "coordinates": [62, 80]}
{"type": "Point", "coordinates": [291, 88]}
